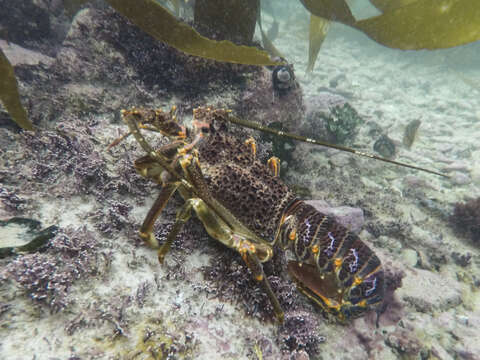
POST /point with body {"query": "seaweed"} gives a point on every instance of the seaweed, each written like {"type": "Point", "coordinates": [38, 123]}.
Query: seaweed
{"type": "Point", "coordinates": [410, 24]}
{"type": "Point", "coordinates": [317, 33]}
{"type": "Point", "coordinates": [156, 21]}
{"type": "Point", "coordinates": [9, 95]}
{"type": "Point", "coordinates": [337, 10]}
{"type": "Point", "coordinates": [404, 24]}
{"type": "Point", "coordinates": [411, 133]}
{"type": "Point", "coordinates": [342, 124]}
{"type": "Point", "coordinates": [36, 238]}
{"type": "Point", "coordinates": [47, 277]}
{"type": "Point", "coordinates": [268, 37]}
{"type": "Point", "coordinates": [232, 19]}
{"type": "Point", "coordinates": [388, 5]}
{"type": "Point", "coordinates": [466, 219]}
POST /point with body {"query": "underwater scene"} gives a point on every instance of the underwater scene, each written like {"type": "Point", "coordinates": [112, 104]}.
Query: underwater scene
{"type": "Point", "coordinates": [240, 179]}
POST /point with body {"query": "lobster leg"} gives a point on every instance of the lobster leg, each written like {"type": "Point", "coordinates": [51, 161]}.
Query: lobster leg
{"type": "Point", "coordinates": [250, 142]}
{"type": "Point", "coordinates": [273, 165]}
{"type": "Point", "coordinates": [255, 266]}
{"type": "Point", "coordinates": [251, 253]}
{"type": "Point", "coordinates": [146, 230]}
{"type": "Point", "coordinates": [183, 216]}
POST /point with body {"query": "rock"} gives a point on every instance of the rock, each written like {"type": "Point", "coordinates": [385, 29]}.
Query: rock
{"type": "Point", "coordinates": [26, 21]}
{"type": "Point", "coordinates": [459, 178]}
{"type": "Point", "coordinates": [19, 55]}
{"type": "Point", "coordinates": [350, 217]}
{"type": "Point", "coordinates": [298, 355]}
{"type": "Point", "coordinates": [427, 291]}
{"type": "Point", "coordinates": [410, 257]}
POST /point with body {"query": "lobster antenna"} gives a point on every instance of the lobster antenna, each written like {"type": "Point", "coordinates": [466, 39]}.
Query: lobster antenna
{"type": "Point", "coordinates": [252, 125]}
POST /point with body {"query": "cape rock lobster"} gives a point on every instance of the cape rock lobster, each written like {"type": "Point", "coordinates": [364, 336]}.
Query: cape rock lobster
{"type": "Point", "coordinates": [243, 204]}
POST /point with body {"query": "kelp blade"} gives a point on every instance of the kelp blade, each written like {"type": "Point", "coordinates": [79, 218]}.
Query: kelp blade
{"type": "Point", "coordinates": [266, 42]}
{"type": "Point", "coordinates": [9, 95]}
{"type": "Point", "coordinates": [155, 20]}
{"type": "Point", "coordinates": [231, 20]}
{"type": "Point", "coordinates": [410, 24]}
{"type": "Point", "coordinates": [336, 10]}
{"type": "Point", "coordinates": [317, 33]}
{"type": "Point", "coordinates": [389, 5]}
{"type": "Point", "coordinates": [426, 24]}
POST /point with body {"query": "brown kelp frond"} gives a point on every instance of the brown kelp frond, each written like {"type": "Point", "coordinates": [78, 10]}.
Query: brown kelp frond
{"type": "Point", "coordinates": [155, 20]}
{"type": "Point", "coordinates": [266, 41]}
{"type": "Point", "coordinates": [337, 10]}
{"type": "Point", "coordinates": [410, 24]}
{"type": "Point", "coordinates": [231, 20]}
{"type": "Point", "coordinates": [425, 24]}
{"type": "Point", "coordinates": [317, 33]}
{"type": "Point", "coordinates": [9, 95]}
{"type": "Point", "coordinates": [389, 5]}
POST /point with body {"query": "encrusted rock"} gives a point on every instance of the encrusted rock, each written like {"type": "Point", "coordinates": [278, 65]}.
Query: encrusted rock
{"type": "Point", "coordinates": [350, 217]}
{"type": "Point", "coordinates": [427, 291]}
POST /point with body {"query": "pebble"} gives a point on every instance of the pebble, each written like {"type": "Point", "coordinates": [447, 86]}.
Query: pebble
{"type": "Point", "coordinates": [427, 291]}
{"type": "Point", "coordinates": [462, 319]}
{"type": "Point", "coordinates": [410, 257]}
{"type": "Point", "coordinates": [459, 178]}
{"type": "Point", "coordinates": [350, 217]}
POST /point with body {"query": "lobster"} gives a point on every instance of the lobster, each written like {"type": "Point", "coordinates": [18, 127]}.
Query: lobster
{"type": "Point", "coordinates": [244, 204]}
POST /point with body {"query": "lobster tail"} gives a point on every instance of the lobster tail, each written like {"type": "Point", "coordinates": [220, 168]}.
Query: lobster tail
{"type": "Point", "coordinates": [333, 266]}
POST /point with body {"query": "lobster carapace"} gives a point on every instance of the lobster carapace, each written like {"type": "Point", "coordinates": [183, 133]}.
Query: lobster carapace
{"type": "Point", "coordinates": [243, 204]}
